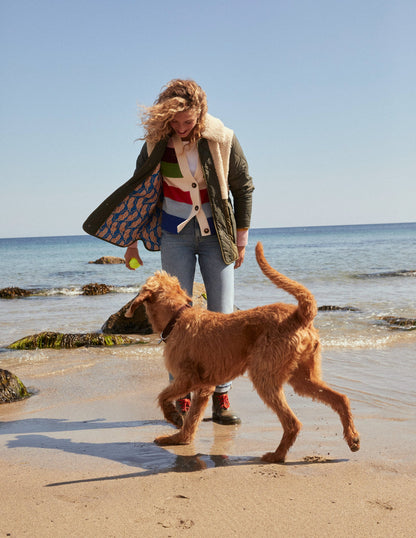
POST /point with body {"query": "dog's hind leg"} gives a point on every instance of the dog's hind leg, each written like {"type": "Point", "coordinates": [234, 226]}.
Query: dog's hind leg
{"type": "Point", "coordinates": [194, 416]}
{"type": "Point", "coordinates": [307, 382]}
{"type": "Point", "coordinates": [273, 396]}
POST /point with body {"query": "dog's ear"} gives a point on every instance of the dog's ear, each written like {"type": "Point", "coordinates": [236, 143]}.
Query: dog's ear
{"type": "Point", "coordinates": [137, 301]}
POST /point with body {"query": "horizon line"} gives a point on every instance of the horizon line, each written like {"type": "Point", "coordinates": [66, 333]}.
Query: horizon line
{"type": "Point", "coordinates": [252, 229]}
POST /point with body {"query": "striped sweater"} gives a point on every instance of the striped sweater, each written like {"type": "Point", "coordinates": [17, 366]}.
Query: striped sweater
{"type": "Point", "coordinates": [185, 193]}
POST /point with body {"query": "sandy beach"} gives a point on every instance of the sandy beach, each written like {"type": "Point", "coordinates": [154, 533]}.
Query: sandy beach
{"type": "Point", "coordinates": [78, 459]}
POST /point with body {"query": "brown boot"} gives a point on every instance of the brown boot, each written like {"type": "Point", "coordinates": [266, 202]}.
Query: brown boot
{"type": "Point", "coordinates": [183, 405]}
{"type": "Point", "coordinates": [221, 411]}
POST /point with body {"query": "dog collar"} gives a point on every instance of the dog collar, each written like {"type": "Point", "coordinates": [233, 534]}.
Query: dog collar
{"type": "Point", "coordinates": [168, 329]}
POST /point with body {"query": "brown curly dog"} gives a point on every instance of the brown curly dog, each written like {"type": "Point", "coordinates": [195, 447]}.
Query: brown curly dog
{"type": "Point", "coordinates": [275, 344]}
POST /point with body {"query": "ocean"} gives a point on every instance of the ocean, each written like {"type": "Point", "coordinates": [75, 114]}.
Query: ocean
{"type": "Point", "coordinates": [365, 273]}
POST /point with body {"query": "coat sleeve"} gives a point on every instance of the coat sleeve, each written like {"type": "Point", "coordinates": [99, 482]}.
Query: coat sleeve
{"type": "Point", "coordinates": [241, 185]}
{"type": "Point", "coordinates": [141, 159]}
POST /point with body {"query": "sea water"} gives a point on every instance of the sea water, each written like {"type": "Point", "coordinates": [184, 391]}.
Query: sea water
{"type": "Point", "coordinates": [366, 272]}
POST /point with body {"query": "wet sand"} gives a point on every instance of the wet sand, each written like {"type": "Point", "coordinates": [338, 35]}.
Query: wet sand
{"type": "Point", "coordinates": [78, 459]}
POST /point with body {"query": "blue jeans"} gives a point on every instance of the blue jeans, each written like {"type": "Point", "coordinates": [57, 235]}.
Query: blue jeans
{"type": "Point", "coordinates": [180, 253]}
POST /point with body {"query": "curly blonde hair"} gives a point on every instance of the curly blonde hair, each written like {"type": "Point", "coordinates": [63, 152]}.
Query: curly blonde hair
{"type": "Point", "coordinates": [177, 96]}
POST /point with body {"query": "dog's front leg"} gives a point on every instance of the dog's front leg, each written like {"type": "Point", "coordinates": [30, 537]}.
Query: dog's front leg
{"type": "Point", "coordinates": [194, 416]}
{"type": "Point", "coordinates": [166, 402]}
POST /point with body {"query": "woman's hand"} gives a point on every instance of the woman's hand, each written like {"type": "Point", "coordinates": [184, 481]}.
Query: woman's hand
{"type": "Point", "coordinates": [132, 252]}
{"type": "Point", "coordinates": [241, 254]}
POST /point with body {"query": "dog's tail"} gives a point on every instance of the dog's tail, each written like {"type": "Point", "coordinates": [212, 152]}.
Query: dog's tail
{"type": "Point", "coordinates": [307, 308]}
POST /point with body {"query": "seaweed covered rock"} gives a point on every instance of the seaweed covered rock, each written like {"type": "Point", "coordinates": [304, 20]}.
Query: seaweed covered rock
{"type": "Point", "coordinates": [109, 260]}
{"type": "Point", "coordinates": [11, 388]}
{"type": "Point", "coordinates": [95, 289]}
{"type": "Point", "coordinates": [139, 324]}
{"type": "Point", "coordinates": [334, 308]}
{"type": "Point", "coordinates": [62, 340]}
{"type": "Point", "coordinates": [118, 324]}
{"type": "Point", "coordinates": [406, 324]}
{"type": "Point", "coordinates": [13, 292]}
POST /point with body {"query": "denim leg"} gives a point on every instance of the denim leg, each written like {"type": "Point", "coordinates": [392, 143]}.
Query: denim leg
{"type": "Point", "coordinates": [219, 283]}
{"type": "Point", "coordinates": [179, 258]}
{"type": "Point", "coordinates": [179, 253]}
{"type": "Point", "coordinates": [218, 277]}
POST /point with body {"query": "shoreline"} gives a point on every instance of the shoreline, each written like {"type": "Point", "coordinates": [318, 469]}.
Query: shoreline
{"type": "Point", "coordinates": [78, 459]}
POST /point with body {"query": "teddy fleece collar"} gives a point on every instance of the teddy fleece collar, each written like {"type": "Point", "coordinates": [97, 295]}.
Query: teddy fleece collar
{"type": "Point", "coordinates": [216, 131]}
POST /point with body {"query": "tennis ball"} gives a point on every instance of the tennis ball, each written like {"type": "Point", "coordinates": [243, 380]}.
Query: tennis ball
{"type": "Point", "coordinates": [134, 263]}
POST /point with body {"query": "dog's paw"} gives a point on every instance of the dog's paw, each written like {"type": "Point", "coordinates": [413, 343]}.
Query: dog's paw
{"type": "Point", "coordinates": [174, 418]}
{"type": "Point", "coordinates": [354, 443]}
{"type": "Point", "coordinates": [162, 440]}
{"type": "Point", "coordinates": [272, 457]}
{"type": "Point", "coordinates": [171, 440]}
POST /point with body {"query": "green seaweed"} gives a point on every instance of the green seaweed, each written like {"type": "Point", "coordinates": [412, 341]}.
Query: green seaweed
{"type": "Point", "coordinates": [109, 340]}
{"type": "Point", "coordinates": [58, 341]}
{"type": "Point", "coordinates": [11, 388]}
{"type": "Point", "coordinates": [68, 341]}
{"type": "Point", "coordinates": [23, 393]}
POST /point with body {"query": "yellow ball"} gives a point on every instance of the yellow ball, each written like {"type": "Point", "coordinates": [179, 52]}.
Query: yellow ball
{"type": "Point", "coordinates": [134, 263]}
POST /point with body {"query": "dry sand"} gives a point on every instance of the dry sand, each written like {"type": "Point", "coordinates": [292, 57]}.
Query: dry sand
{"type": "Point", "coordinates": [78, 459]}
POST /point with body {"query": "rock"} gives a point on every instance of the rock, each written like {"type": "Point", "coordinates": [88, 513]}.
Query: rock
{"type": "Point", "coordinates": [62, 340]}
{"type": "Point", "coordinates": [389, 274]}
{"type": "Point", "coordinates": [407, 324]}
{"type": "Point", "coordinates": [109, 260]}
{"type": "Point", "coordinates": [328, 308]}
{"type": "Point", "coordinates": [118, 324]}
{"type": "Point", "coordinates": [11, 388]}
{"type": "Point", "coordinates": [95, 289]}
{"type": "Point", "coordinates": [11, 293]}
{"type": "Point", "coordinates": [139, 324]}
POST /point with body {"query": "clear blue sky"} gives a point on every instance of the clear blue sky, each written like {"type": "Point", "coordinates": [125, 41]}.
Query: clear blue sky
{"type": "Point", "coordinates": [321, 94]}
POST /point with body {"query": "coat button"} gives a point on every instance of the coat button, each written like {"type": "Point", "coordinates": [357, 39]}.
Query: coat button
{"type": "Point", "coordinates": [206, 231]}
{"type": "Point", "coordinates": [194, 185]}
{"type": "Point", "coordinates": [197, 208]}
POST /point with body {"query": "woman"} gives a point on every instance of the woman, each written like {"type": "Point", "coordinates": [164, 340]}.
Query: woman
{"type": "Point", "coordinates": [178, 202]}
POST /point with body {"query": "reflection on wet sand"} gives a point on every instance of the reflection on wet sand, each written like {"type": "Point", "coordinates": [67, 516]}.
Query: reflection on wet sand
{"type": "Point", "coordinates": [107, 416]}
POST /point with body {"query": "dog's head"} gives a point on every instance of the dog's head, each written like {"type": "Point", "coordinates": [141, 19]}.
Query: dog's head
{"type": "Point", "coordinates": [162, 296]}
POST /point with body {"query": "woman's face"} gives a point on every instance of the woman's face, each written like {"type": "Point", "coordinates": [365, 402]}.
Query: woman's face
{"type": "Point", "coordinates": [184, 122]}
